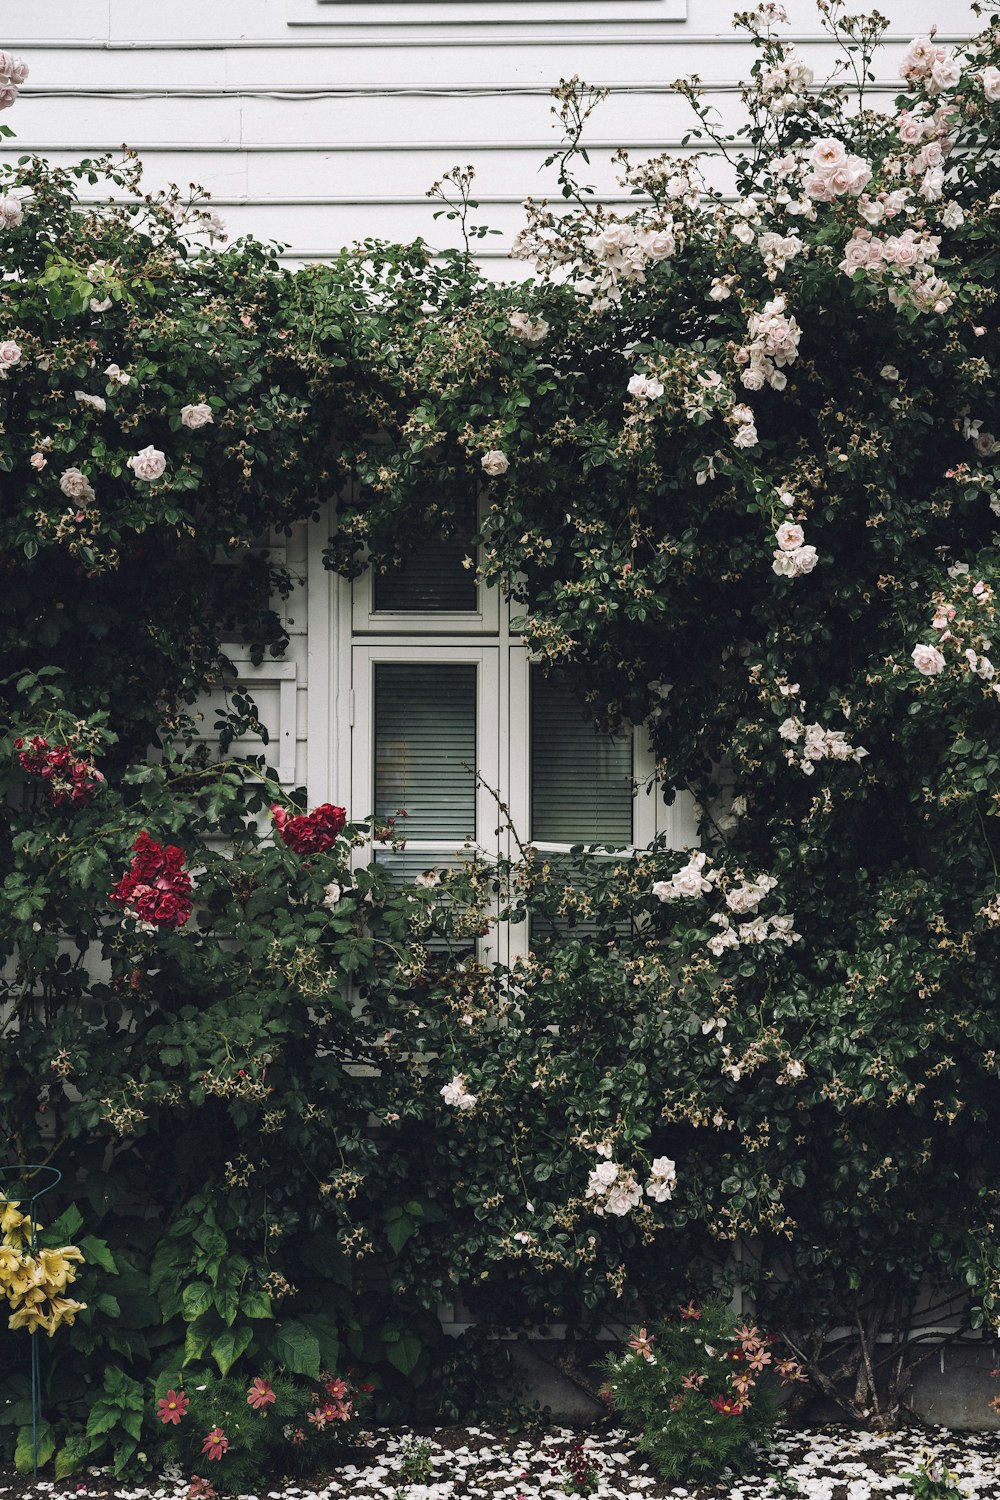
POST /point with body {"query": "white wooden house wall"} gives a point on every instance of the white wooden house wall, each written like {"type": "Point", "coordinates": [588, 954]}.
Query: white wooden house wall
{"type": "Point", "coordinates": [319, 122]}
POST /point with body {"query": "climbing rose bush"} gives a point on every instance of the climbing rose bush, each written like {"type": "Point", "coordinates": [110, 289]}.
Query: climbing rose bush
{"type": "Point", "coordinates": [738, 473]}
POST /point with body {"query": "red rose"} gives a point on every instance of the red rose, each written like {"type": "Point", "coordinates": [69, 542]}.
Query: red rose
{"type": "Point", "coordinates": [156, 888]}
{"type": "Point", "coordinates": [310, 833]}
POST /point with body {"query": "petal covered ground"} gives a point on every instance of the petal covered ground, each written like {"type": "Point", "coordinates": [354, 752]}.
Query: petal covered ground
{"type": "Point", "coordinates": [828, 1463]}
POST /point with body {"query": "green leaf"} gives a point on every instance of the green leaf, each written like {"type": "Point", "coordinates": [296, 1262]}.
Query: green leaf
{"type": "Point", "coordinates": [196, 1299]}
{"type": "Point", "coordinates": [98, 1254]}
{"type": "Point", "coordinates": [293, 1346]}
{"type": "Point", "coordinates": [403, 1351]}
{"type": "Point", "coordinates": [62, 1231]}
{"type": "Point", "coordinates": [198, 1335]}
{"type": "Point", "coordinates": [228, 1347]}
{"type": "Point", "coordinates": [24, 1452]}
{"type": "Point", "coordinates": [256, 1305]}
{"type": "Point", "coordinates": [399, 1231]}
{"type": "Point", "coordinates": [75, 1453]}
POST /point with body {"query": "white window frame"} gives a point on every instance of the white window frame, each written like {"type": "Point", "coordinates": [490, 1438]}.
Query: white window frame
{"type": "Point", "coordinates": [346, 641]}
{"type": "Point", "coordinates": [366, 656]}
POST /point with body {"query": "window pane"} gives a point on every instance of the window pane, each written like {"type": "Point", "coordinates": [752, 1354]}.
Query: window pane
{"type": "Point", "coordinates": [430, 578]}
{"type": "Point", "coordinates": [425, 748]}
{"type": "Point", "coordinates": [581, 781]}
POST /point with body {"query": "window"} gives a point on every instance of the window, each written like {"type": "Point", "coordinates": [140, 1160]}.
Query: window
{"type": "Point", "coordinates": [447, 713]}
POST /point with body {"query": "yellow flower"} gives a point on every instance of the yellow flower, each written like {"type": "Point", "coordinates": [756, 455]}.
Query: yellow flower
{"type": "Point", "coordinates": [12, 1222]}
{"type": "Point", "coordinates": [56, 1267]}
{"type": "Point", "coordinates": [31, 1317]}
{"type": "Point", "coordinates": [23, 1277]}
{"type": "Point", "coordinates": [64, 1310]}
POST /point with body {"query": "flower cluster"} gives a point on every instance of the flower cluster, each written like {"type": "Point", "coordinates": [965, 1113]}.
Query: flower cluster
{"type": "Point", "coordinates": [817, 743]}
{"type": "Point", "coordinates": [34, 1280]}
{"type": "Point", "coordinates": [68, 777]}
{"type": "Point", "coordinates": [784, 83]}
{"type": "Point", "coordinates": [935, 67]}
{"type": "Point", "coordinates": [456, 1095]}
{"type": "Point", "coordinates": [743, 900]}
{"type": "Point", "coordinates": [793, 556]}
{"type": "Point", "coordinates": [13, 72]}
{"type": "Point", "coordinates": [624, 252]}
{"type": "Point", "coordinates": [690, 880]}
{"type": "Point", "coordinates": [336, 1405]}
{"type": "Point", "coordinates": [930, 660]}
{"type": "Point", "coordinates": [616, 1190]}
{"type": "Point", "coordinates": [310, 833]}
{"type": "Point", "coordinates": [156, 891]}
{"type": "Point", "coordinates": [835, 172]}
{"type": "Point", "coordinates": [772, 343]}
{"type": "Point", "coordinates": [527, 330]}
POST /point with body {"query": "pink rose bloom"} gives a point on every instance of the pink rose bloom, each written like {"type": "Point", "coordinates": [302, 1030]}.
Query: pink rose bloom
{"type": "Point", "coordinates": [11, 211]}
{"type": "Point", "coordinates": [148, 464]}
{"type": "Point", "coordinates": [910, 128]}
{"type": "Point", "coordinates": [931, 154]}
{"type": "Point", "coordinates": [945, 74]}
{"type": "Point", "coordinates": [75, 485]}
{"type": "Point", "coordinates": [7, 97]}
{"type": "Point", "coordinates": [38, 461]}
{"type": "Point", "coordinates": [828, 154]}
{"type": "Point", "coordinates": [10, 354]}
{"type": "Point", "coordinates": [859, 175]}
{"type": "Point", "coordinates": [789, 537]}
{"type": "Point", "coordinates": [495, 462]}
{"type": "Point", "coordinates": [927, 660]}
{"type": "Point", "coordinates": [818, 188]}
{"type": "Point", "coordinates": [198, 415]}
{"type": "Point", "coordinates": [990, 79]}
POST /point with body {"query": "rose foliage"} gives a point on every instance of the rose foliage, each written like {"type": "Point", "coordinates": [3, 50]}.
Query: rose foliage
{"type": "Point", "coordinates": [739, 463]}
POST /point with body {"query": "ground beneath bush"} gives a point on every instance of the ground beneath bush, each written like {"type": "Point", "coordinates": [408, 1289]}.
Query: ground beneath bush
{"type": "Point", "coordinates": [474, 1463]}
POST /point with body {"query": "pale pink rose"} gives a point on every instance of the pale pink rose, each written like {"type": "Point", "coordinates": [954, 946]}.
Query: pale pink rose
{"type": "Point", "coordinates": [148, 464]}
{"type": "Point", "coordinates": [12, 68]}
{"type": "Point", "coordinates": [746, 437]}
{"type": "Point", "coordinates": [917, 59]}
{"type": "Point", "coordinates": [11, 211]}
{"type": "Point", "coordinates": [932, 185]}
{"type": "Point", "coordinates": [8, 96]}
{"type": "Point", "coordinates": [10, 354]}
{"type": "Point", "coordinates": [659, 244]}
{"type": "Point", "coordinates": [945, 74]}
{"type": "Point", "coordinates": [495, 462]}
{"type": "Point", "coordinates": [75, 485]}
{"type": "Point", "coordinates": [789, 537]}
{"type": "Point", "coordinates": [930, 155]}
{"type": "Point", "coordinates": [644, 388]}
{"type": "Point", "coordinates": [197, 415]}
{"type": "Point", "coordinates": [927, 660]}
{"type": "Point", "coordinates": [827, 154]}
{"type": "Point", "coordinates": [817, 187]}
{"type": "Point", "coordinates": [859, 175]}
{"type": "Point", "coordinates": [990, 79]}
{"type": "Point", "coordinates": [38, 461]}
{"type": "Point", "coordinates": [753, 378]}
{"type": "Point", "coordinates": [910, 128]}
{"type": "Point", "coordinates": [805, 559]}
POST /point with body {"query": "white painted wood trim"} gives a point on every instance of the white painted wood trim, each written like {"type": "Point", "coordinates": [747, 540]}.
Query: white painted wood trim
{"type": "Point", "coordinates": [285, 674]}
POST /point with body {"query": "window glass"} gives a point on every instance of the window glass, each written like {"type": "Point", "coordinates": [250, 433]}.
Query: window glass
{"type": "Point", "coordinates": [425, 748]}
{"type": "Point", "coordinates": [581, 781]}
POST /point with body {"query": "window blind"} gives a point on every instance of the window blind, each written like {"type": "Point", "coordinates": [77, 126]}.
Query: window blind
{"type": "Point", "coordinates": [581, 781]}
{"type": "Point", "coordinates": [432, 577]}
{"type": "Point", "coordinates": [425, 748]}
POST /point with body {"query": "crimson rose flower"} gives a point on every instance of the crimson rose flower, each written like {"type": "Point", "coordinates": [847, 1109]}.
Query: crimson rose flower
{"type": "Point", "coordinates": [310, 833]}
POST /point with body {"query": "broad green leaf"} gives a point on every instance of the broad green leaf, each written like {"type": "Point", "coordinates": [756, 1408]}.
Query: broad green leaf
{"type": "Point", "coordinates": [228, 1347]}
